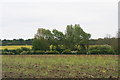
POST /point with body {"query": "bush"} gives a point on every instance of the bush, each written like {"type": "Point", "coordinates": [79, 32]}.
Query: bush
{"type": "Point", "coordinates": [25, 49]}
{"type": "Point", "coordinates": [4, 53]}
{"type": "Point", "coordinates": [67, 51]}
{"type": "Point", "coordinates": [6, 50]}
{"type": "Point", "coordinates": [25, 53]}
{"type": "Point", "coordinates": [74, 52]}
{"type": "Point", "coordinates": [101, 49]}
{"type": "Point", "coordinates": [82, 52]}
{"type": "Point", "coordinates": [7, 53]}
{"type": "Point", "coordinates": [18, 51]}
{"type": "Point", "coordinates": [52, 52]}
{"type": "Point", "coordinates": [38, 52]}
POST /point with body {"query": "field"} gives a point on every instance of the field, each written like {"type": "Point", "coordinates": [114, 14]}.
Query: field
{"type": "Point", "coordinates": [15, 47]}
{"type": "Point", "coordinates": [19, 46]}
{"type": "Point", "coordinates": [60, 66]}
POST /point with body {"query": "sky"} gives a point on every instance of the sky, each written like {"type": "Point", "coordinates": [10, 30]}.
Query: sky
{"type": "Point", "coordinates": [22, 18]}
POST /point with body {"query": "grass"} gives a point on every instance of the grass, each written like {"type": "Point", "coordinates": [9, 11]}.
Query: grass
{"type": "Point", "coordinates": [15, 47]}
{"type": "Point", "coordinates": [60, 66]}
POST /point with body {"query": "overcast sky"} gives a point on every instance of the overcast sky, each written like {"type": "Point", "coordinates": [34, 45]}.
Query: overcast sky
{"type": "Point", "coordinates": [22, 18]}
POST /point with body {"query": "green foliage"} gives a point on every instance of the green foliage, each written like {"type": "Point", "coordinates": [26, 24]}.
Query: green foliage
{"type": "Point", "coordinates": [40, 44]}
{"type": "Point", "coordinates": [98, 49]}
{"type": "Point", "coordinates": [74, 39]}
{"type": "Point", "coordinates": [52, 47]}
{"type": "Point", "coordinates": [25, 53]}
{"type": "Point", "coordinates": [74, 52]}
{"type": "Point", "coordinates": [44, 34]}
{"type": "Point", "coordinates": [67, 51]}
{"type": "Point", "coordinates": [101, 49]}
{"type": "Point", "coordinates": [76, 36]}
{"type": "Point", "coordinates": [38, 52]}
{"type": "Point", "coordinates": [18, 51]}
{"type": "Point", "coordinates": [7, 52]}
{"type": "Point", "coordinates": [25, 49]}
{"type": "Point", "coordinates": [60, 48]}
{"type": "Point", "coordinates": [58, 37]}
{"type": "Point", "coordinates": [52, 52]}
{"type": "Point", "coordinates": [82, 52]}
{"type": "Point", "coordinates": [16, 42]}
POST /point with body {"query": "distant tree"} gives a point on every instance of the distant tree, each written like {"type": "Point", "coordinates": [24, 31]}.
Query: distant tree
{"type": "Point", "coordinates": [76, 36]}
{"type": "Point", "coordinates": [40, 44]}
{"type": "Point", "coordinates": [21, 41]}
{"type": "Point", "coordinates": [42, 40]}
{"type": "Point", "coordinates": [45, 34]}
{"type": "Point", "coordinates": [58, 37]}
{"type": "Point", "coordinates": [28, 42]}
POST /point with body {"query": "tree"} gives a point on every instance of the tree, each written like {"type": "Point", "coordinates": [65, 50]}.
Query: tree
{"type": "Point", "coordinates": [42, 39]}
{"type": "Point", "coordinates": [45, 34]}
{"type": "Point", "coordinates": [76, 36]}
{"type": "Point", "coordinates": [40, 44]}
{"type": "Point", "coordinates": [59, 37]}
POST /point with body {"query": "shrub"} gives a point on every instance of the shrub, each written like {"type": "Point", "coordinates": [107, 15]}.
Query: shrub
{"type": "Point", "coordinates": [101, 49]}
{"type": "Point", "coordinates": [18, 51]}
{"type": "Point", "coordinates": [74, 52]}
{"type": "Point", "coordinates": [52, 47]}
{"type": "Point", "coordinates": [6, 50]}
{"type": "Point", "coordinates": [60, 48]}
{"type": "Point", "coordinates": [82, 51]}
{"type": "Point", "coordinates": [11, 53]}
{"type": "Point", "coordinates": [25, 53]}
{"type": "Point", "coordinates": [25, 49]}
{"type": "Point", "coordinates": [67, 51]}
{"type": "Point", "coordinates": [4, 53]}
{"type": "Point", "coordinates": [38, 52]}
{"type": "Point", "coordinates": [52, 52]}
{"type": "Point", "coordinates": [7, 53]}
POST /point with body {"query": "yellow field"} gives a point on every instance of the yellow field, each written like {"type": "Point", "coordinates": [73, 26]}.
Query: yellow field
{"type": "Point", "coordinates": [27, 46]}
{"type": "Point", "coordinates": [15, 47]}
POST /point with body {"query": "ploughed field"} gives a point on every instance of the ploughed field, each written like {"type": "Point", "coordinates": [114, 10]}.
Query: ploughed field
{"type": "Point", "coordinates": [60, 66]}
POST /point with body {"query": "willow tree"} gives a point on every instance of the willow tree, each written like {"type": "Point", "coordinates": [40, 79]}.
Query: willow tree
{"type": "Point", "coordinates": [76, 36]}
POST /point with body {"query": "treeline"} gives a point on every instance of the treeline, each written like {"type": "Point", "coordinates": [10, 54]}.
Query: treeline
{"type": "Point", "coordinates": [75, 39]}
{"type": "Point", "coordinates": [97, 49]}
{"type": "Point", "coordinates": [16, 42]}
{"type": "Point", "coordinates": [113, 42]}
{"type": "Point", "coordinates": [99, 41]}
